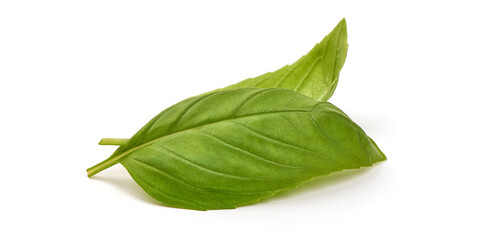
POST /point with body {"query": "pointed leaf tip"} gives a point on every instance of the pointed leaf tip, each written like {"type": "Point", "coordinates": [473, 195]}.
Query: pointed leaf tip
{"type": "Point", "coordinates": [315, 74]}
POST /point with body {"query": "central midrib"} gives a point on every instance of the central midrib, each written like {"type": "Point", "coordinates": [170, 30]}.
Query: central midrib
{"type": "Point", "coordinates": [121, 155]}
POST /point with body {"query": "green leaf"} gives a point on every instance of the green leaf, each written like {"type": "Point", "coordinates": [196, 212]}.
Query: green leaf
{"type": "Point", "coordinates": [234, 147]}
{"type": "Point", "coordinates": [315, 75]}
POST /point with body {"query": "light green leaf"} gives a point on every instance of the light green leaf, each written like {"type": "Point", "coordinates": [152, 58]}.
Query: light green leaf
{"type": "Point", "coordinates": [234, 147]}
{"type": "Point", "coordinates": [315, 75]}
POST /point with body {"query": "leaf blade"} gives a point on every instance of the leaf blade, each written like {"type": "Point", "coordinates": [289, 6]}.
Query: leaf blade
{"type": "Point", "coordinates": [267, 142]}
{"type": "Point", "coordinates": [315, 74]}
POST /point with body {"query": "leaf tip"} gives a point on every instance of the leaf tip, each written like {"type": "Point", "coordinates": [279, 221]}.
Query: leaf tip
{"type": "Point", "coordinates": [343, 21]}
{"type": "Point", "coordinates": [342, 26]}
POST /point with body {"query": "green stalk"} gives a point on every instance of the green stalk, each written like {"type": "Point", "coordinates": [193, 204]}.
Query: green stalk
{"type": "Point", "coordinates": [112, 161]}
{"type": "Point", "coordinates": [101, 166]}
{"type": "Point", "coordinates": [108, 162]}
{"type": "Point", "coordinates": [113, 141]}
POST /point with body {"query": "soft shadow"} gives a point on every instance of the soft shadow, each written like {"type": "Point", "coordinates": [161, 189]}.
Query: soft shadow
{"type": "Point", "coordinates": [336, 181]}
{"type": "Point", "coordinates": [123, 181]}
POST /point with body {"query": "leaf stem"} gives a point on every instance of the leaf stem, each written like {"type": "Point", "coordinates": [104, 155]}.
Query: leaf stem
{"type": "Point", "coordinates": [101, 166]}
{"type": "Point", "coordinates": [113, 141]}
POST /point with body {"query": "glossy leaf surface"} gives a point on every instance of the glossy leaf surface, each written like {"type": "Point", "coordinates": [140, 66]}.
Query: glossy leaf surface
{"type": "Point", "coordinates": [315, 75]}
{"type": "Point", "coordinates": [234, 147]}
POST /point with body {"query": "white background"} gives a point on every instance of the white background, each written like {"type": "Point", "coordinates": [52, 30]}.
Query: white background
{"type": "Point", "coordinates": [72, 72]}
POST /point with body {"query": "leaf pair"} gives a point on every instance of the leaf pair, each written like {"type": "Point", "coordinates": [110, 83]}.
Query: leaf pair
{"type": "Point", "coordinates": [235, 146]}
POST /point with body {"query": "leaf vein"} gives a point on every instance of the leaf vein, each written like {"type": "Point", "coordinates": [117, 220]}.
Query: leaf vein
{"type": "Point", "coordinates": [134, 148]}
{"type": "Point", "coordinates": [332, 142]}
{"type": "Point", "coordinates": [257, 93]}
{"type": "Point", "coordinates": [189, 107]}
{"type": "Point", "coordinates": [164, 193]}
{"type": "Point", "coordinates": [269, 74]}
{"type": "Point", "coordinates": [292, 67]}
{"type": "Point", "coordinates": [278, 141]}
{"type": "Point", "coordinates": [201, 167]}
{"type": "Point", "coordinates": [247, 152]}
{"type": "Point", "coordinates": [290, 123]}
{"type": "Point", "coordinates": [307, 73]}
{"type": "Point", "coordinates": [334, 81]}
{"type": "Point", "coordinates": [189, 184]}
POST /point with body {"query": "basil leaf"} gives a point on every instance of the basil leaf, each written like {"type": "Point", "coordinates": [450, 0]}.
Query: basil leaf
{"type": "Point", "coordinates": [315, 75]}
{"type": "Point", "coordinates": [234, 147]}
